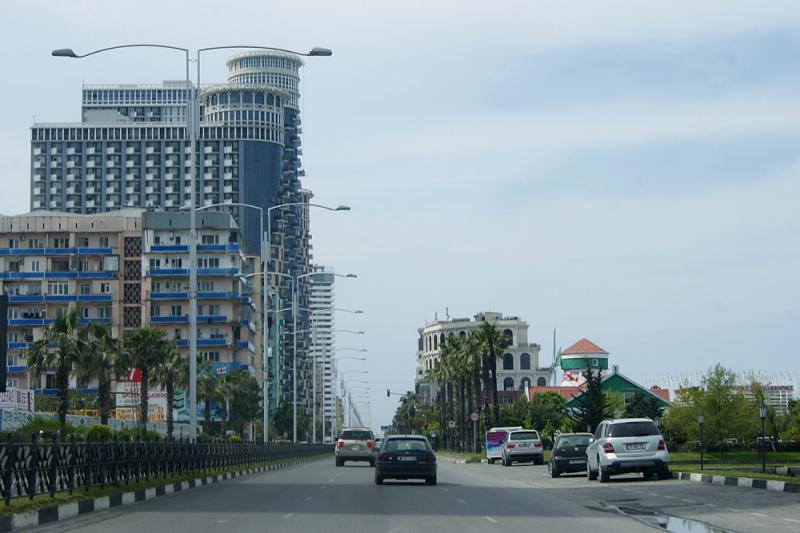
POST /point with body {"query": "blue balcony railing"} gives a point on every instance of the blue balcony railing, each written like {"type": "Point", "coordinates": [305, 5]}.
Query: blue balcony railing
{"type": "Point", "coordinates": [169, 295]}
{"type": "Point", "coordinates": [38, 298]}
{"type": "Point", "coordinates": [94, 320]}
{"type": "Point", "coordinates": [169, 248]}
{"type": "Point", "coordinates": [169, 319]}
{"type": "Point", "coordinates": [204, 342]}
{"type": "Point", "coordinates": [55, 251]}
{"type": "Point", "coordinates": [30, 321]}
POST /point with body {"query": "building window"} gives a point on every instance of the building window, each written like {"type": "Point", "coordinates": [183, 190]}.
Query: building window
{"type": "Point", "coordinates": [13, 243]}
{"type": "Point", "coordinates": [105, 287]}
{"type": "Point", "coordinates": [34, 265]}
{"type": "Point", "coordinates": [525, 361]}
{"type": "Point", "coordinates": [155, 264]}
{"type": "Point", "coordinates": [208, 262]}
{"type": "Point", "coordinates": [211, 357]}
{"type": "Point", "coordinates": [155, 286]}
{"type": "Point", "coordinates": [33, 243]}
{"type": "Point", "coordinates": [60, 242]}
{"type": "Point", "coordinates": [86, 288]}
{"type": "Point", "coordinates": [110, 263]}
{"type": "Point", "coordinates": [213, 309]}
{"type": "Point", "coordinates": [83, 242]}
{"type": "Point", "coordinates": [524, 383]}
{"type": "Point", "coordinates": [508, 384]}
{"type": "Point", "coordinates": [103, 242]}
{"type": "Point", "coordinates": [509, 335]}
{"type": "Point", "coordinates": [206, 286]}
{"type": "Point", "coordinates": [541, 381]}
{"type": "Point", "coordinates": [508, 362]}
{"type": "Point", "coordinates": [209, 239]}
{"type": "Point", "coordinates": [84, 312]}
{"type": "Point", "coordinates": [175, 310]}
{"type": "Point", "coordinates": [104, 312]}
{"type": "Point", "coordinates": [57, 288]}
{"type": "Point", "coordinates": [155, 310]}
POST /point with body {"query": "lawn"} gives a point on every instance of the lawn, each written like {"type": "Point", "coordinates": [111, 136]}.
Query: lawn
{"type": "Point", "coordinates": [773, 458]}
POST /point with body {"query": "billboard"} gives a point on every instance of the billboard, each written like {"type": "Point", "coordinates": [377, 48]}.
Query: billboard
{"type": "Point", "coordinates": [572, 378]}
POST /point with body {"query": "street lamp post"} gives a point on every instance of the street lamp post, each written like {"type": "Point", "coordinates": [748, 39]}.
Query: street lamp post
{"type": "Point", "coordinates": [701, 419]}
{"type": "Point", "coordinates": [762, 413]}
{"type": "Point", "coordinates": [193, 130]}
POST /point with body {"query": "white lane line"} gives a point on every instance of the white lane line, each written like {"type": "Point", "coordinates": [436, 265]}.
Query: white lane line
{"type": "Point", "coordinates": [671, 497]}
{"type": "Point", "coordinates": [462, 501]}
{"type": "Point", "coordinates": [288, 515]}
{"type": "Point", "coordinates": [653, 494]}
{"type": "Point", "coordinates": [490, 519]}
{"type": "Point", "coordinates": [710, 505]}
{"type": "Point", "coordinates": [732, 509]}
{"type": "Point", "coordinates": [759, 515]}
{"type": "Point", "coordinates": [330, 480]}
{"type": "Point", "coordinates": [689, 501]}
{"type": "Point", "coordinates": [309, 498]}
{"type": "Point", "coordinates": [322, 487]}
{"type": "Point", "coordinates": [792, 520]}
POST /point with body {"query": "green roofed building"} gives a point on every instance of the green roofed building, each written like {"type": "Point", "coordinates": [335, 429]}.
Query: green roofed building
{"type": "Point", "coordinates": [626, 387]}
{"type": "Point", "coordinates": [583, 354]}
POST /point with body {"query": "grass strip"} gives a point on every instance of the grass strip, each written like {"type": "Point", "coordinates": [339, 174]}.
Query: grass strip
{"type": "Point", "coordinates": [735, 473]}
{"type": "Point", "coordinates": [42, 501]}
{"type": "Point", "coordinates": [743, 457]}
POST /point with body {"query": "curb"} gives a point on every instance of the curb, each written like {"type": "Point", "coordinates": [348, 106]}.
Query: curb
{"type": "Point", "coordinates": [55, 513]}
{"type": "Point", "coordinates": [734, 481]}
{"type": "Point", "coordinates": [451, 460]}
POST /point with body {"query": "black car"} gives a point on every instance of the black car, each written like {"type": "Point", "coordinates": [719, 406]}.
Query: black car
{"type": "Point", "coordinates": [406, 457]}
{"type": "Point", "coordinates": [569, 453]}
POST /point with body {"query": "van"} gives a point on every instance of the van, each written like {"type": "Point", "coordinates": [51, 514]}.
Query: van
{"type": "Point", "coordinates": [495, 439]}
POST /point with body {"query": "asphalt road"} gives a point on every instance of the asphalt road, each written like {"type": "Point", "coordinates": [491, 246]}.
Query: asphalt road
{"type": "Point", "coordinates": [319, 497]}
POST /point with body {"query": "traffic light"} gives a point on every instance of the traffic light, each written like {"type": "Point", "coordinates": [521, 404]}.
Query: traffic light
{"type": "Point", "coordinates": [388, 393]}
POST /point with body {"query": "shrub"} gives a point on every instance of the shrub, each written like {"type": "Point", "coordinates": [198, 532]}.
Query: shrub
{"type": "Point", "coordinates": [235, 439]}
{"type": "Point", "coordinates": [99, 433]}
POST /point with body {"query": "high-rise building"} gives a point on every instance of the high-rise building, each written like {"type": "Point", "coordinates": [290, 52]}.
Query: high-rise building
{"type": "Point", "coordinates": [59, 261]}
{"type": "Point", "coordinates": [323, 345]}
{"type": "Point", "coordinates": [130, 149]}
{"type": "Point", "coordinates": [517, 363]}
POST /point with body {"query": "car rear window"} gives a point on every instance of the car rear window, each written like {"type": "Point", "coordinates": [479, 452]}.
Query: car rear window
{"type": "Point", "coordinates": [357, 435]}
{"type": "Point", "coordinates": [574, 440]}
{"type": "Point", "coordinates": [633, 429]}
{"type": "Point", "coordinates": [403, 445]}
{"type": "Point", "coordinates": [524, 435]}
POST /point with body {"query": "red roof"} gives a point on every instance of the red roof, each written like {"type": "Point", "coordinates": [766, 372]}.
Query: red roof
{"type": "Point", "coordinates": [661, 393]}
{"type": "Point", "coordinates": [584, 346]}
{"type": "Point", "coordinates": [565, 392]}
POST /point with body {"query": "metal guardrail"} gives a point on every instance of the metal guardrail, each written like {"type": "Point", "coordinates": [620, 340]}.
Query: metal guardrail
{"type": "Point", "coordinates": [30, 469]}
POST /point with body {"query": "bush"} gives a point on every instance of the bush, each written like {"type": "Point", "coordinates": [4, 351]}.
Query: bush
{"type": "Point", "coordinates": [99, 433]}
{"type": "Point", "coordinates": [234, 439]}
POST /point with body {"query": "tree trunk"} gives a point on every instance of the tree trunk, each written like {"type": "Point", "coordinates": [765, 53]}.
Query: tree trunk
{"type": "Point", "coordinates": [470, 433]}
{"type": "Point", "coordinates": [143, 405]}
{"type": "Point", "coordinates": [493, 367]}
{"type": "Point", "coordinates": [487, 387]}
{"type": "Point", "coordinates": [224, 416]}
{"type": "Point", "coordinates": [170, 415]}
{"type": "Point", "coordinates": [104, 397]}
{"type": "Point", "coordinates": [62, 380]}
{"type": "Point", "coordinates": [207, 415]}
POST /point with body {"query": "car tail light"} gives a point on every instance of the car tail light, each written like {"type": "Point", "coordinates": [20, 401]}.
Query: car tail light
{"type": "Point", "coordinates": [557, 453]}
{"type": "Point", "coordinates": [608, 447]}
{"type": "Point", "coordinates": [430, 458]}
{"type": "Point", "coordinates": [661, 445]}
{"type": "Point", "coordinates": [509, 445]}
{"type": "Point", "coordinates": [382, 457]}
{"type": "Point", "coordinates": [537, 444]}
{"type": "Point", "coordinates": [340, 443]}
{"type": "Point", "coordinates": [370, 443]}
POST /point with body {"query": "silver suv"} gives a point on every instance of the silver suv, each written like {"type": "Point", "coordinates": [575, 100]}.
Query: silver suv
{"type": "Point", "coordinates": [523, 445]}
{"type": "Point", "coordinates": [627, 445]}
{"type": "Point", "coordinates": [355, 444]}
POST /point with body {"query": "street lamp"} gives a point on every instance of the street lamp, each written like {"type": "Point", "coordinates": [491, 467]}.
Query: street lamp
{"type": "Point", "coordinates": [762, 413]}
{"type": "Point", "coordinates": [192, 130]}
{"type": "Point", "coordinates": [701, 419]}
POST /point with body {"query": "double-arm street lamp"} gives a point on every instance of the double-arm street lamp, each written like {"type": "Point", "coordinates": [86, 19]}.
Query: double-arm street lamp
{"type": "Point", "coordinates": [193, 131]}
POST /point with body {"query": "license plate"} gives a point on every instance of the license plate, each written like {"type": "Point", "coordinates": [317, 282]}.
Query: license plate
{"type": "Point", "coordinates": [636, 446]}
{"type": "Point", "coordinates": [355, 447]}
{"type": "Point", "coordinates": [408, 458]}
{"type": "Point", "coordinates": [524, 445]}
{"type": "Point", "coordinates": [577, 461]}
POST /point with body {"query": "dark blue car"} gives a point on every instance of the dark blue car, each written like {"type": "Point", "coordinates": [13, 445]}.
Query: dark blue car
{"type": "Point", "coordinates": [406, 457]}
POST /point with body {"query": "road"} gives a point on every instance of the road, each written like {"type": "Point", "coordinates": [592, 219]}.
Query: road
{"type": "Point", "coordinates": [319, 497]}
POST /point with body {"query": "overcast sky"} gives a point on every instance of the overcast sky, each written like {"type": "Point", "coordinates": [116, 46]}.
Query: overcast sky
{"type": "Point", "coordinates": [622, 171]}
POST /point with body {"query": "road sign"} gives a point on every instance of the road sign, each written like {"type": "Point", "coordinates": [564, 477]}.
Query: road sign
{"type": "Point", "coordinates": [451, 423]}
{"type": "Point", "coordinates": [474, 417]}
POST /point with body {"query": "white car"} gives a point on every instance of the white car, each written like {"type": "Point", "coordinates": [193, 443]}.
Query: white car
{"type": "Point", "coordinates": [627, 445]}
{"type": "Point", "coordinates": [523, 445]}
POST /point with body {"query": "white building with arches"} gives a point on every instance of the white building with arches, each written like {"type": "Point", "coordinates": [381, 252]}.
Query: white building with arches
{"type": "Point", "coordinates": [517, 364]}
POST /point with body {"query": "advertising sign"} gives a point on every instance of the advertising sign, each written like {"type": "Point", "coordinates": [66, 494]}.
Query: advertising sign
{"type": "Point", "coordinates": [17, 400]}
{"type": "Point", "coordinates": [127, 402]}
{"type": "Point", "coordinates": [572, 378]}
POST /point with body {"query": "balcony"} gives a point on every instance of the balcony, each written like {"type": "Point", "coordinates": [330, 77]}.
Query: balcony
{"type": "Point", "coordinates": [169, 248]}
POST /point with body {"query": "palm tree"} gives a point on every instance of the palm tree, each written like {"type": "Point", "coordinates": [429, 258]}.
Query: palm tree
{"type": "Point", "coordinates": [143, 349]}
{"type": "Point", "coordinates": [494, 342]}
{"type": "Point", "coordinates": [171, 373]}
{"type": "Point", "coordinates": [208, 389]}
{"type": "Point", "coordinates": [64, 336]}
{"type": "Point", "coordinates": [97, 362]}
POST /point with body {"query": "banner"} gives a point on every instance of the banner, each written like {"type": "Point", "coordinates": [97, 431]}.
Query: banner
{"type": "Point", "coordinates": [128, 399]}
{"type": "Point", "coordinates": [17, 400]}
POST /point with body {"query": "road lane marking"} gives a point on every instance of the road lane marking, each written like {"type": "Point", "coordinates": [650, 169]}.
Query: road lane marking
{"type": "Point", "coordinates": [322, 487]}
{"type": "Point", "coordinates": [759, 515]}
{"type": "Point", "coordinates": [653, 494]}
{"type": "Point", "coordinates": [792, 520]}
{"type": "Point", "coordinates": [490, 519]}
{"type": "Point", "coordinates": [309, 498]}
{"type": "Point", "coordinates": [288, 515]}
{"type": "Point", "coordinates": [710, 505]}
{"type": "Point", "coordinates": [330, 480]}
{"type": "Point", "coordinates": [671, 497]}
{"type": "Point", "coordinates": [732, 509]}
{"type": "Point", "coordinates": [462, 501]}
{"type": "Point", "coordinates": [689, 501]}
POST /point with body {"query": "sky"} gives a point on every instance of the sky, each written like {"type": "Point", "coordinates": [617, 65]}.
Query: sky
{"type": "Point", "coordinates": [622, 171]}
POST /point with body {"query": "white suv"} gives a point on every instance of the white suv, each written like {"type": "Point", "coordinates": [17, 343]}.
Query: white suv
{"type": "Point", "coordinates": [523, 445]}
{"type": "Point", "coordinates": [627, 445]}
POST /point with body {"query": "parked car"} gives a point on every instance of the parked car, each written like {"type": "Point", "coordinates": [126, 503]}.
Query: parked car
{"type": "Point", "coordinates": [523, 445]}
{"type": "Point", "coordinates": [569, 453]}
{"type": "Point", "coordinates": [355, 444]}
{"type": "Point", "coordinates": [627, 445]}
{"type": "Point", "coordinates": [495, 440]}
{"type": "Point", "coordinates": [406, 457]}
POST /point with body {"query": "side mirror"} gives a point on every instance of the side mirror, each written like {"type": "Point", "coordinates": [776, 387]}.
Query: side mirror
{"type": "Point", "coordinates": [591, 440]}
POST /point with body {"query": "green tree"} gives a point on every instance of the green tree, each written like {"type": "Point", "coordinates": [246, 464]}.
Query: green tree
{"type": "Point", "coordinates": [208, 389]}
{"type": "Point", "coordinates": [592, 407]}
{"type": "Point", "coordinates": [97, 361]}
{"type": "Point", "coordinates": [546, 408]}
{"type": "Point", "coordinates": [493, 342]}
{"type": "Point", "coordinates": [241, 398]}
{"type": "Point", "coordinates": [172, 372]}
{"type": "Point", "coordinates": [60, 347]}
{"type": "Point", "coordinates": [143, 349]}
{"type": "Point", "coordinates": [643, 406]}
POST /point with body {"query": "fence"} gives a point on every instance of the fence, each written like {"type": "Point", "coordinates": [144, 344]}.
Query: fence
{"type": "Point", "coordinates": [29, 469]}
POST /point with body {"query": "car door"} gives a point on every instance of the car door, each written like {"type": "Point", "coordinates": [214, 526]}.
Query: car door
{"type": "Point", "coordinates": [591, 450]}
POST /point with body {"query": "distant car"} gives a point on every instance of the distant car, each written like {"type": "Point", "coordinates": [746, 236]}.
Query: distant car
{"type": "Point", "coordinates": [569, 453]}
{"type": "Point", "coordinates": [355, 444]}
{"type": "Point", "coordinates": [523, 445]}
{"type": "Point", "coordinates": [495, 440]}
{"type": "Point", "coordinates": [406, 457]}
{"type": "Point", "coordinates": [627, 445]}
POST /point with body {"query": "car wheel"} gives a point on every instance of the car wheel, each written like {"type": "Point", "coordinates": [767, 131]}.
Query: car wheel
{"type": "Point", "coordinates": [538, 460]}
{"type": "Point", "coordinates": [591, 475]}
{"type": "Point", "coordinates": [663, 473]}
{"type": "Point", "coordinates": [339, 462]}
{"type": "Point", "coordinates": [378, 479]}
{"type": "Point", "coordinates": [372, 462]}
{"type": "Point", "coordinates": [491, 461]}
{"type": "Point", "coordinates": [553, 471]}
{"type": "Point", "coordinates": [604, 475]}
{"type": "Point", "coordinates": [431, 480]}
{"type": "Point", "coordinates": [506, 461]}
